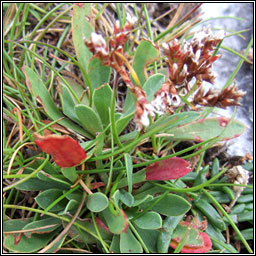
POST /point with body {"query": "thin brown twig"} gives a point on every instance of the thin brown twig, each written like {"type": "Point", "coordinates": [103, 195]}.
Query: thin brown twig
{"type": "Point", "coordinates": [65, 230]}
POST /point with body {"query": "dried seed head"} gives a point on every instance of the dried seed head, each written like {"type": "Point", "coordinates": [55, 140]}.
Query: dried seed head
{"type": "Point", "coordinates": [229, 96]}
{"type": "Point", "coordinates": [238, 175]}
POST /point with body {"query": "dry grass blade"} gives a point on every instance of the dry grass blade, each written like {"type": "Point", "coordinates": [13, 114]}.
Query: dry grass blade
{"type": "Point", "coordinates": [65, 230]}
{"type": "Point", "coordinates": [14, 155]}
{"type": "Point", "coordinates": [20, 123]}
{"type": "Point", "coordinates": [176, 16]}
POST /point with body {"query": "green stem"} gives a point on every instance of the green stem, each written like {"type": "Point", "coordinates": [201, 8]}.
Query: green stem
{"type": "Point", "coordinates": [98, 233]}
{"type": "Point", "coordinates": [138, 237]}
{"type": "Point", "coordinates": [29, 176]}
{"type": "Point", "coordinates": [113, 121]}
{"type": "Point", "coordinates": [60, 198]}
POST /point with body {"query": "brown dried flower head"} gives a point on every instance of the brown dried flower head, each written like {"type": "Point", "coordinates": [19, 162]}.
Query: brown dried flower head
{"type": "Point", "coordinates": [230, 96]}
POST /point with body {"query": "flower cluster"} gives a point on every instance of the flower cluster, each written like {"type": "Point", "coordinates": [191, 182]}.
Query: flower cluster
{"type": "Point", "coordinates": [143, 108]}
{"type": "Point", "coordinates": [229, 96]}
{"type": "Point", "coordinates": [184, 62]}
{"type": "Point", "coordinates": [111, 53]}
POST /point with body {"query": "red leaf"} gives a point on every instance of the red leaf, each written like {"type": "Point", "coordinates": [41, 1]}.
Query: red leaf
{"type": "Point", "coordinates": [66, 152]}
{"type": "Point", "coordinates": [168, 169]}
{"type": "Point", "coordinates": [189, 248]}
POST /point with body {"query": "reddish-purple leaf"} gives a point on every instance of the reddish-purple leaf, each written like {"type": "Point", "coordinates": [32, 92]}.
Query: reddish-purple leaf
{"type": "Point", "coordinates": [66, 152]}
{"type": "Point", "coordinates": [168, 169]}
{"type": "Point", "coordinates": [190, 248]}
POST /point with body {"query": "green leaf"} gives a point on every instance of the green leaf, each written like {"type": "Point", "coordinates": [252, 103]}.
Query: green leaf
{"type": "Point", "coordinates": [102, 102]}
{"type": "Point", "coordinates": [97, 202]}
{"type": "Point", "coordinates": [68, 103]}
{"type": "Point", "coordinates": [126, 197]}
{"type": "Point", "coordinates": [140, 200]}
{"type": "Point", "coordinates": [149, 238]}
{"type": "Point", "coordinates": [15, 224]}
{"type": "Point", "coordinates": [122, 122]}
{"type": "Point", "coordinates": [208, 128]}
{"type": "Point", "coordinates": [99, 143]}
{"type": "Point", "coordinates": [79, 90]}
{"type": "Point", "coordinates": [116, 223]}
{"type": "Point", "coordinates": [34, 184]}
{"type": "Point", "coordinates": [247, 234]}
{"type": "Point", "coordinates": [164, 238]}
{"type": "Point", "coordinates": [116, 197]}
{"type": "Point", "coordinates": [49, 178]}
{"type": "Point", "coordinates": [70, 208]}
{"type": "Point", "coordinates": [81, 29]}
{"type": "Point", "coordinates": [70, 173]}
{"type": "Point", "coordinates": [25, 244]}
{"type": "Point", "coordinates": [98, 73]}
{"type": "Point", "coordinates": [39, 224]}
{"type": "Point", "coordinates": [75, 195]}
{"type": "Point", "coordinates": [152, 85]}
{"type": "Point", "coordinates": [115, 244]}
{"type": "Point", "coordinates": [39, 91]}
{"type": "Point", "coordinates": [129, 244]}
{"type": "Point", "coordinates": [150, 220]}
{"type": "Point", "coordinates": [89, 119]}
{"type": "Point", "coordinates": [145, 54]}
{"type": "Point", "coordinates": [45, 198]}
{"type": "Point", "coordinates": [90, 239]}
{"type": "Point", "coordinates": [168, 121]}
{"type": "Point", "coordinates": [170, 205]}
{"type": "Point", "coordinates": [136, 178]}
{"type": "Point", "coordinates": [129, 170]}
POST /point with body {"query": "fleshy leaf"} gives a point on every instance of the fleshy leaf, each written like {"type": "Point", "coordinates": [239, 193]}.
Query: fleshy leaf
{"type": "Point", "coordinates": [118, 223]}
{"type": "Point", "coordinates": [70, 173]}
{"type": "Point", "coordinates": [129, 244]}
{"type": "Point", "coordinates": [94, 69]}
{"type": "Point", "coordinates": [36, 227]}
{"type": "Point", "coordinates": [81, 29]}
{"type": "Point", "coordinates": [45, 198]}
{"type": "Point", "coordinates": [102, 102]}
{"type": "Point", "coordinates": [208, 128]}
{"type": "Point", "coordinates": [145, 54]}
{"type": "Point", "coordinates": [164, 238]}
{"type": "Point", "coordinates": [167, 169]}
{"type": "Point", "coordinates": [97, 202]}
{"type": "Point", "coordinates": [197, 242]}
{"type": "Point", "coordinates": [150, 220]}
{"type": "Point", "coordinates": [38, 90]}
{"type": "Point", "coordinates": [170, 205]}
{"type": "Point", "coordinates": [89, 118]}
{"type": "Point", "coordinates": [65, 151]}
